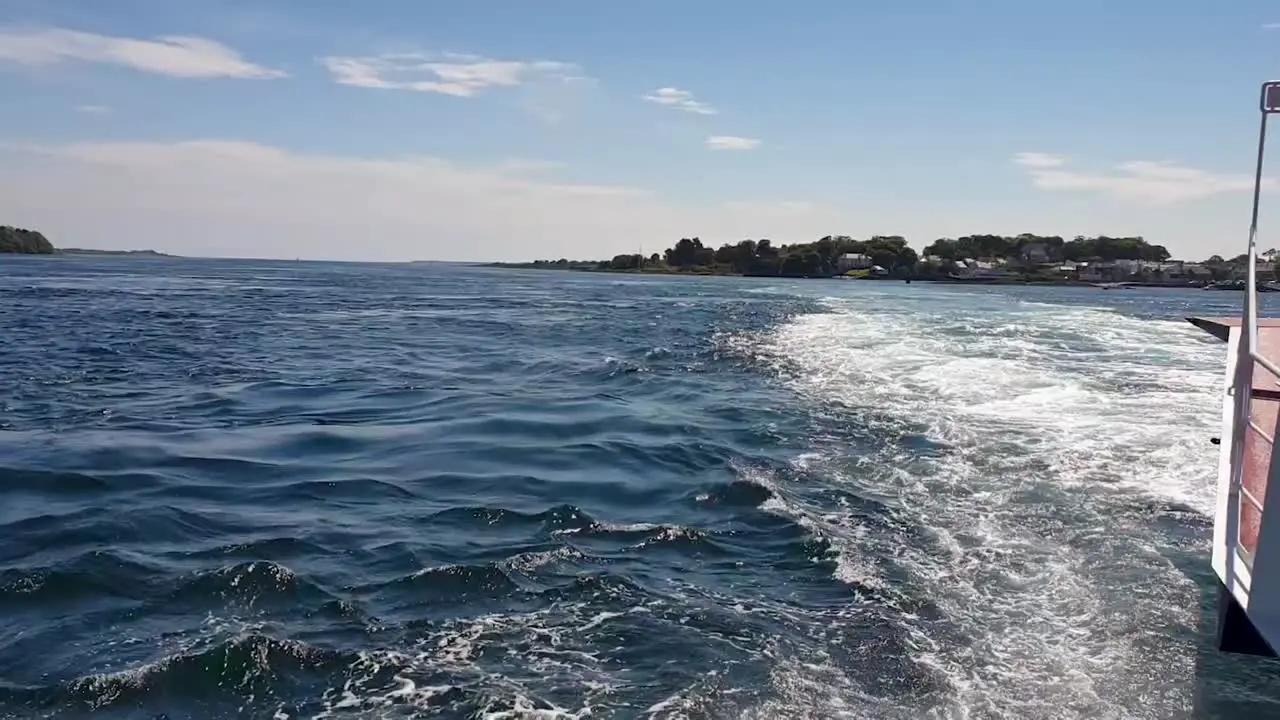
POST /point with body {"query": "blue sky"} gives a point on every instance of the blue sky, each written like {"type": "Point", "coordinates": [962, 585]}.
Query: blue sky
{"type": "Point", "coordinates": [392, 130]}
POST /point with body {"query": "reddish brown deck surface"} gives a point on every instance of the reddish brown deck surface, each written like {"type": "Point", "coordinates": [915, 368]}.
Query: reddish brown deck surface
{"type": "Point", "coordinates": [1219, 326]}
{"type": "Point", "coordinates": [1262, 410]}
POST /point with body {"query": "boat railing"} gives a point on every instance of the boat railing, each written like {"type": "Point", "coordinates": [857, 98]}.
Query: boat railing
{"type": "Point", "coordinates": [1238, 566]}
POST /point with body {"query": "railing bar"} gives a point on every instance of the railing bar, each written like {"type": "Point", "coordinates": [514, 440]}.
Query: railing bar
{"type": "Point", "coordinates": [1252, 501]}
{"type": "Point", "coordinates": [1242, 551]}
{"type": "Point", "coordinates": [1270, 366]}
{"type": "Point", "coordinates": [1254, 426]}
{"type": "Point", "coordinates": [1245, 557]}
{"type": "Point", "coordinates": [1244, 492]}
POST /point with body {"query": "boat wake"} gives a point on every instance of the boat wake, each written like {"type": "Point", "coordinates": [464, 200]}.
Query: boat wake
{"type": "Point", "coordinates": [1045, 474]}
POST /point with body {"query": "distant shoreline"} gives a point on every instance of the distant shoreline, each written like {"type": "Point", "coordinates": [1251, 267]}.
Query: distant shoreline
{"type": "Point", "coordinates": [131, 253]}
{"type": "Point", "coordinates": [593, 267]}
{"type": "Point", "coordinates": [708, 271]}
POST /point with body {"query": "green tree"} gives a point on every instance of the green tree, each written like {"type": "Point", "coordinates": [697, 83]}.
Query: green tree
{"type": "Point", "coordinates": [626, 262]}
{"type": "Point", "coordinates": [19, 240]}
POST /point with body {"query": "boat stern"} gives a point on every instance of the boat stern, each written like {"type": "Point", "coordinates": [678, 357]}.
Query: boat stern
{"type": "Point", "coordinates": [1244, 546]}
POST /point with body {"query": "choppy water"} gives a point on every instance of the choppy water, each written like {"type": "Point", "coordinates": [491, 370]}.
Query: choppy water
{"type": "Point", "coordinates": [296, 490]}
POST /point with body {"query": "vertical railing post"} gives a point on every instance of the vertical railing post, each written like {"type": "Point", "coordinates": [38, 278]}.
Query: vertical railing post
{"type": "Point", "coordinates": [1242, 380]}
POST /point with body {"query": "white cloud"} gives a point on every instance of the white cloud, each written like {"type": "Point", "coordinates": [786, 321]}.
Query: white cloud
{"type": "Point", "coordinates": [93, 109]}
{"type": "Point", "coordinates": [1271, 26]}
{"type": "Point", "coordinates": [231, 198]}
{"type": "Point", "coordinates": [1154, 182]}
{"type": "Point", "coordinates": [732, 142]}
{"type": "Point", "coordinates": [680, 100]}
{"type": "Point", "coordinates": [172, 55]}
{"type": "Point", "coordinates": [1038, 160]}
{"type": "Point", "coordinates": [454, 74]}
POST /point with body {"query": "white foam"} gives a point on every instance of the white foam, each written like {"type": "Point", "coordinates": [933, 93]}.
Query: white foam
{"type": "Point", "coordinates": [1067, 402]}
{"type": "Point", "coordinates": [549, 645]}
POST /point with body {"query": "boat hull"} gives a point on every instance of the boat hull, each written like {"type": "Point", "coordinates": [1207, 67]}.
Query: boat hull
{"type": "Point", "coordinates": [1236, 632]}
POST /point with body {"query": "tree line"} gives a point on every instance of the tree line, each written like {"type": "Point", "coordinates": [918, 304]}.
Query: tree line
{"type": "Point", "coordinates": [1078, 249]}
{"type": "Point", "coordinates": [890, 252]}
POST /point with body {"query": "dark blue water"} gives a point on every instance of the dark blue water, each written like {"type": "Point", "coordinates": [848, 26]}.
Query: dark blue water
{"type": "Point", "coordinates": [294, 490]}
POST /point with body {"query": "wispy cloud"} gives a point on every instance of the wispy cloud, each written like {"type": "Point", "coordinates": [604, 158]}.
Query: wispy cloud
{"type": "Point", "coordinates": [92, 109]}
{"type": "Point", "coordinates": [1271, 26]}
{"type": "Point", "coordinates": [457, 74]}
{"type": "Point", "coordinates": [1038, 160]}
{"type": "Point", "coordinates": [680, 100]}
{"type": "Point", "coordinates": [1155, 182]}
{"type": "Point", "coordinates": [172, 55]}
{"type": "Point", "coordinates": [732, 142]}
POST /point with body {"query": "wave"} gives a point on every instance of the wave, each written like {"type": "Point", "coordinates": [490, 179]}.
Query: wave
{"type": "Point", "coordinates": [216, 676]}
{"type": "Point", "coordinates": [342, 489]}
{"type": "Point", "coordinates": [53, 483]}
{"type": "Point", "coordinates": [63, 534]}
{"type": "Point", "coordinates": [251, 584]}
{"type": "Point", "coordinates": [738, 493]}
{"type": "Point", "coordinates": [648, 535]}
{"type": "Point", "coordinates": [90, 576]}
{"type": "Point", "coordinates": [448, 583]}
{"type": "Point", "coordinates": [269, 548]}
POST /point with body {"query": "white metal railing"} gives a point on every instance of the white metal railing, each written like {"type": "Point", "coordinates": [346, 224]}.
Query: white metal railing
{"type": "Point", "coordinates": [1247, 360]}
{"type": "Point", "coordinates": [1265, 363]}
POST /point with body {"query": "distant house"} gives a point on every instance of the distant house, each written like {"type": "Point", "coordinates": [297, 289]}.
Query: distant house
{"type": "Point", "coordinates": [1113, 271]}
{"type": "Point", "coordinates": [1196, 271]}
{"type": "Point", "coordinates": [1266, 272]}
{"type": "Point", "coordinates": [1034, 253]}
{"type": "Point", "coordinates": [980, 269]}
{"type": "Point", "coordinates": [854, 261]}
{"type": "Point", "coordinates": [1089, 272]}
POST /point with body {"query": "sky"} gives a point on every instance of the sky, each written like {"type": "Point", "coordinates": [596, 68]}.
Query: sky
{"type": "Point", "coordinates": [514, 130]}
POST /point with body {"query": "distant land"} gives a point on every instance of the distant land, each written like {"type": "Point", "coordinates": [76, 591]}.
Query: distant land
{"type": "Point", "coordinates": [90, 251]}
{"type": "Point", "coordinates": [33, 242]}
{"type": "Point", "coordinates": [26, 242]}
{"type": "Point", "coordinates": [997, 259]}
